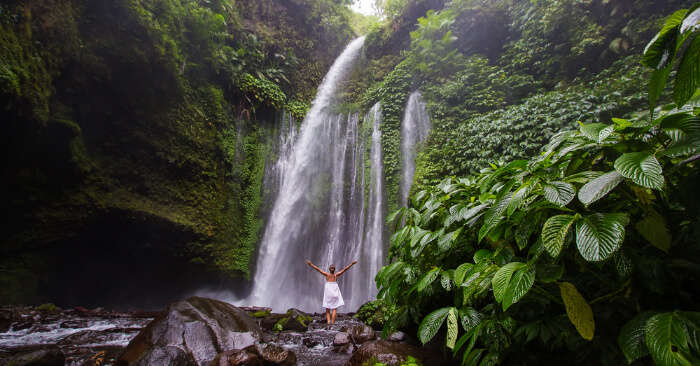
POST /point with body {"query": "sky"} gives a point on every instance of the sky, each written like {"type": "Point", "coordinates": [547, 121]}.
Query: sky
{"type": "Point", "coordinates": [363, 6]}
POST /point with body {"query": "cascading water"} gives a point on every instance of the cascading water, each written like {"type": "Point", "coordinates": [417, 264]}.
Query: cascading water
{"type": "Point", "coordinates": [414, 130]}
{"type": "Point", "coordinates": [320, 212]}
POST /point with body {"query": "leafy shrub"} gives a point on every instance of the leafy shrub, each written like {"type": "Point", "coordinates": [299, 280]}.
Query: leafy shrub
{"type": "Point", "coordinates": [559, 257]}
{"type": "Point", "coordinates": [375, 313]}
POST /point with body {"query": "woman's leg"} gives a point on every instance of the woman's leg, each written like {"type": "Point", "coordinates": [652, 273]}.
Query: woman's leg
{"type": "Point", "coordinates": [328, 315]}
{"type": "Point", "coordinates": [333, 317]}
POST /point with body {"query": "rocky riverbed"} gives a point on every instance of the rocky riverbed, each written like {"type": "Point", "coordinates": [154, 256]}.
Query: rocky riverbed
{"type": "Point", "coordinates": [197, 331]}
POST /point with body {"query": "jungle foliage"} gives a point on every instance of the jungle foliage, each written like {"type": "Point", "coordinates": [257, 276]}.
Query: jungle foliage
{"type": "Point", "coordinates": [477, 62]}
{"type": "Point", "coordinates": [148, 116]}
{"type": "Point", "coordinates": [586, 253]}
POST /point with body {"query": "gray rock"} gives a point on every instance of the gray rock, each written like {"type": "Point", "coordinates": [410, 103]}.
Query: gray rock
{"type": "Point", "coordinates": [42, 357]}
{"type": "Point", "coordinates": [393, 354]}
{"type": "Point", "coordinates": [273, 354]}
{"type": "Point", "coordinates": [341, 339]}
{"type": "Point", "coordinates": [191, 332]}
{"type": "Point", "coordinates": [238, 357]}
{"type": "Point", "coordinates": [397, 336]}
{"type": "Point", "coordinates": [361, 333]}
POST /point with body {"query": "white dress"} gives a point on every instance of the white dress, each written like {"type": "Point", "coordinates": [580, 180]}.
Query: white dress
{"type": "Point", "coordinates": [331, 296]}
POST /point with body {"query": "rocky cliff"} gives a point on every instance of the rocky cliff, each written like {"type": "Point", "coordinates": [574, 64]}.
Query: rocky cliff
{"type": "Point", "coordinates": [133, 136]}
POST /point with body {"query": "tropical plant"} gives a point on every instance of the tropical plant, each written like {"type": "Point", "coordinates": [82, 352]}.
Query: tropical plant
{"type": "Point", "coordinates": [676, 43]}
{"type": "Point", "coordinates": [600, 228]}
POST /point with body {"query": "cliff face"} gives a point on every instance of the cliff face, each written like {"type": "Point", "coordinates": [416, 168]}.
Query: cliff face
{"type": "Point", "coordinates": [134, 136]}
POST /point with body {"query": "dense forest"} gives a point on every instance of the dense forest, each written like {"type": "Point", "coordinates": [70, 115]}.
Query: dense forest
{"type": "Point", "coordinates": [552, 215]}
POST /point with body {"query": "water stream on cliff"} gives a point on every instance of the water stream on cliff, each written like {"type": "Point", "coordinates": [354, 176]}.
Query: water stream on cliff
{"type": "Point", "coordinates": [414, 129]}
{"type": "Point", "coordinates": [329, 205]}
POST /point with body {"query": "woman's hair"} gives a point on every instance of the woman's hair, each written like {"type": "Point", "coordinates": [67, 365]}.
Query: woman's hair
{"type": "Point", "coordinates": [332, 268]}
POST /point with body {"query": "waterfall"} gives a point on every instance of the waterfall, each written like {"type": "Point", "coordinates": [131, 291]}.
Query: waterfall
{"type": "Point", "coordinates": [414, 129]}
{"type": "Point", "coordinates": [320, 211]}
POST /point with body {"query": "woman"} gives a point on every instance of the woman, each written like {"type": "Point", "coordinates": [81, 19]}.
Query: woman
{"type": "Point", "coordinates": [332, 299]}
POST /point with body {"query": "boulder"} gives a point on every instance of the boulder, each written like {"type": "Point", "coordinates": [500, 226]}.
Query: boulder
{"type": "Point", "coordinates": [392, 354]}
{"type": "Point", "coordinates": [361, 333]}
{"type": "Point", "coordinates": [191, 332]}
{"type": "Point", "coordinates": [274, 355]}
{"type": "Point", "coordinates": [293, 320]}
{"type": "Point", "coordinates": [341, 339]}
{"type": "Point", "coordinates": [238, 357]}
{"type": "Point", "coordinates": [257, 355]}
{"type": "Point", "coordinates": [268, 322]}
{"type": "Point", "coordinates": [42, 357]}
{"type": "Point", "coordinates": [397, 336]}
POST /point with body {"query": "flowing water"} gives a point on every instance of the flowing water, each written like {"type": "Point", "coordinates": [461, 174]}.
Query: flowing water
{"type": "Point", "coordinates": [329, 205]}
{"type": "Point", "coordinates": [414, 129]}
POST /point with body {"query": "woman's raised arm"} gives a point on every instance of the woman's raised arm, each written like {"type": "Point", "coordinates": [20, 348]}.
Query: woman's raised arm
{"type": "Point", "coordinates": [346, 268]}
{"type": "Point", "coordinates": [316, 268]}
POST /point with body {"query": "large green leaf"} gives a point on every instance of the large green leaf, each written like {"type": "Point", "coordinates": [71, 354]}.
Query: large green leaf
{"type": "Point", "coordinates": [520, 195]}
{"type": "Point", "coordinates": [598, 236]}
{"type": "Point", "coordinates": [446, 280]}
{"type": "Point", "coordinates": [431, 324]}
{"type": "Point", "coordinates": [519, 285]}
{"type": "Point", "coordinates": [395, 215]}
{"type": "Point", "coordinates": [559, 193]}
{"type": "Point", "coordinates": [469, 213]}
{"type": "Point", "coordinates": [554, 233]}
{"type": "Point", "coordinates": [426, 239]}
{"type": "Point", "coordinates": [653, 228]}
{"type": "Point", "coordinates": [684, 131]}
{"type": "Point", "coordinates": [494, 216]}
{"type": "Point", "coordinates": [500, 280]}
{"type": "Point", "coordinates": [460, 272]}
{"type": "Point", "coordinates": [579, 312]}
{"type": "Point", "coordinates": [660, 50]}
{"type": "Point", "coordinates": [599, 187]}
{"type": "Point", "coordinates": [387, 272]}
{"type": "Point", "coordinates": [470, 318]}
{"type": "Point", "coordinates": [632, 338]}
{"type": "Point", "coordinates": [452, 328]}
{"type": "Point", "coordinates": [597, 132]}
{"type": "Point", "coordinates": [642, 168]}
{"type": "Point", "coordinates": [666, 339]}
{"type": "Point", "coordinates": [447, 240]}
{"type": "Point", "coordinates": [691, 22]}
{"type": "Point", "coordinates": [427, 279]}
{"type": "Point", "coordinates": [688, 75]}
{"type": "Point", "coordinates": [657, 84]}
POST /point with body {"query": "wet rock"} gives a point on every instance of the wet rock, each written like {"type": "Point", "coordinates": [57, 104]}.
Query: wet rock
{"type": "Point", "coordinates": [345, 348]}
{"type": "Point", "coordinates": [97, 336]}
{"type": "Point", "coordinates": [6, 318]}
{"type": "Point", "coordinates": [238, 357]}
{"type": "Point", "coordinates": [191, 332]}
{"type": "Point", "coordinates": [397, 336]}
{"type": "Point", "coordinates": [261, 354]}
{"type": "Point", "coordinates": [42, 357]}
{"type": "Point", "coordinates": [268, 323]}
{"type": "Point", "coordinates": [391, 354]}
{"type": "Point", "coordinates": [361, 333]}
{"type": "Point", "coordinates": [269, 338]}
{"type": "Point", "coordinates": [273, 354]}
{"type": "Point", "coordinates": [310, 342]}
{"type": "Point", "coordinates": [22, 325]}
{"type": "Point", "coordinates": [341, 339]}
{"type": "Point", "coordinates": [297, 320]}
{"type": "Point", "coordinates": [293, 320]}
{"type": "Point", "coordinates": [75, 324]}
